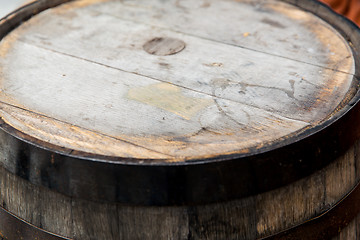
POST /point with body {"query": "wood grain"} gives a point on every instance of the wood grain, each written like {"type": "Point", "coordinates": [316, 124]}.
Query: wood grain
{"type": "Point", "coordinates": [241, 76]}
{"type": "Point", "coordinates": [208, 99]}
{"type": "Point", "coordinates": [248, 218]}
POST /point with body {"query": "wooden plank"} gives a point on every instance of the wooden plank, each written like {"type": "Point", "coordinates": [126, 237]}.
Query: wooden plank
{"type": "Point", "coordinates": [210, 97]}
{"type": "Point", "coordinates": [247, 218]}
{"type": "Point", "coordinates": [70, 136]}
{"type": "Point", "coordinates": [165, 223]}
{"type": "Point", "coordinates": [214, 126]}
{"type": "Point", "coordinates": [95, 88]}
{"type": "Point", "coordinates": [337, 180]}
{"type": "Point", "coordinates": [102, 217]}
{"type": "Point", "coordinates": [310, 197]}
{"type": "Point", "coordinates": [287, 207]}
{"type": "Point", "coordinates": [229, 220]}
{"type": "Point", "coordinates": [263, 26]}
{"type": "Point", "coordinates": [202, 63]}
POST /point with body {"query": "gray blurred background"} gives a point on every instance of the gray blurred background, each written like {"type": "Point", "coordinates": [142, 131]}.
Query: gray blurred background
{"type": "Point", "coordinates": [7, 6]}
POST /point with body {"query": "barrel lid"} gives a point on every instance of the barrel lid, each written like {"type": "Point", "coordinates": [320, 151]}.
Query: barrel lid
{"type": "Point", "coordinates": [247, 74]}
{"type": "Point", "coordinates": [172, 82]}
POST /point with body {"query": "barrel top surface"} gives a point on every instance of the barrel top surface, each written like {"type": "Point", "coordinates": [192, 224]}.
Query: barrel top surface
{"type": "Point", "coordinates": [172, 80]}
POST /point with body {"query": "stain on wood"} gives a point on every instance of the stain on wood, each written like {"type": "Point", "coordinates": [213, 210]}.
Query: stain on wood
{"type": "Point", "coordinates": [167, 84]}
{"type": "Point", "coordinates": [245, 105]}
{"type": "Point", "coordinates": [70, 136]}
{"type": "Point", "coordinates": [169, 98]}
{"type": "Point", "coordinates": [164, 46]}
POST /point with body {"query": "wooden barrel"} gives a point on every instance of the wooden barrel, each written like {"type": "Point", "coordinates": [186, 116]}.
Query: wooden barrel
{"type": "Point", "coordinates": [179, 119]}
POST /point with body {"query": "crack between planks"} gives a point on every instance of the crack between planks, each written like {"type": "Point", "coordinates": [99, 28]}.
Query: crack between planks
{"type": "Point", "coordinates": [223, 43]}
{"type": "Point", "coordinates": [160, 80]}
{"type": "Point", "coordinates": [90, 130]}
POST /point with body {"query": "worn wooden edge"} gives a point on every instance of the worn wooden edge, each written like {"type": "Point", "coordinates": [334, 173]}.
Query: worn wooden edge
{"type": "Point", "coordinates": [351, 33]}
{"type": "Point", "coordinates": [249, 218]}
{"type": "Point", "coordinates": [180, 184]}
{"type": "Point", "coordinates": [213, 178]}
{"type": "Point", "coordinates": [327, 225]}
{"type": "Point", "coordinates": [24, 13]}
{"type": "Point", "coordinates": [13, 227]}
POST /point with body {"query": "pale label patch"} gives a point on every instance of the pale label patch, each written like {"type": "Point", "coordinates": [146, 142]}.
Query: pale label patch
{"type": "Point", "coordinates": [170, 98]}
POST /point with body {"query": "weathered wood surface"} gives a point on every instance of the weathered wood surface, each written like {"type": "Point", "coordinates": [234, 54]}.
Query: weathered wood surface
{"type": "Point", "coordinates": [249, 75]}
{"type": "Point", "coordinates": [249, 218]}
{"type": "Point", "coordinates": [86, 76]}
